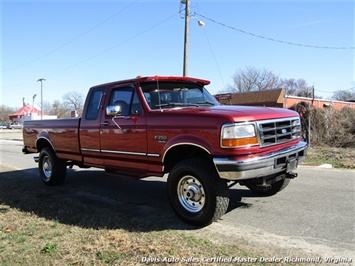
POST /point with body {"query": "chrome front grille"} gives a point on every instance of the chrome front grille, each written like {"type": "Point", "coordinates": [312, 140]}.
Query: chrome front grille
{"type": "Point", "coordinates": [272, 132]}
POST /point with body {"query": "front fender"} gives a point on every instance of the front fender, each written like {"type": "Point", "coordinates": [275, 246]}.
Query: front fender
{"type": "Point", "coordinates": [191, 140]}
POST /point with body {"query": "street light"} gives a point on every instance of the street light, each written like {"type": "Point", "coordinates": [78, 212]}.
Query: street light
{"type": "Point", "coordinates": [41, 80]}
{"type": "Point", "coordinates": [200, 23]}
{"type": "Point", "coordinates": [186, 39]}
{"type": "Point", "coordinates": [33, 103]}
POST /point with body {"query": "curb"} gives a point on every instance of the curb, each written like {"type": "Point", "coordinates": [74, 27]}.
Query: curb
{"type": "Point", "coordinates": [323, 166]}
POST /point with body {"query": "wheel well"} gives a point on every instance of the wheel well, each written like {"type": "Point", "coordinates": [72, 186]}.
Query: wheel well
{"type": "Point", "coordinates": [182, 152]}
{"type": "Point", "coordinates": [41, 143]}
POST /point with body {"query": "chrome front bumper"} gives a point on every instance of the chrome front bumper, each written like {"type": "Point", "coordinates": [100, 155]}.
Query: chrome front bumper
{"type": "Point", "coordinates": [285, 160]}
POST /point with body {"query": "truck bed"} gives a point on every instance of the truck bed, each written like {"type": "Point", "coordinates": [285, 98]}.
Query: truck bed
{"type": "Point", "coordinates": [63, 134]}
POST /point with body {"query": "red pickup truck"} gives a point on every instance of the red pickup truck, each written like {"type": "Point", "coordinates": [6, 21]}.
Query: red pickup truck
{"type": "Point", "coordinates": [157, 125]}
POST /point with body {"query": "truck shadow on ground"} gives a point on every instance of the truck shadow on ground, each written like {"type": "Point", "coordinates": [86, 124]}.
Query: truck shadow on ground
{"type": "Point", "coordinates": [92, 199]}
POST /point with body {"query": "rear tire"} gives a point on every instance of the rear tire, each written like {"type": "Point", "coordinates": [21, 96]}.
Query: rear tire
{"type": "Point", "coordinates": [51, 169]}
{"type": "Point", "coordinates": [196, 193]}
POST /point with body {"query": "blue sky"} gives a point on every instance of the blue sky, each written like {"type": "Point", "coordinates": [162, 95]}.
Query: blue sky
{"type": "Point", "coordinates": [77, 44]}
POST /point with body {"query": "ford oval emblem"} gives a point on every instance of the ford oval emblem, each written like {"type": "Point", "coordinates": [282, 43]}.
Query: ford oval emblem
{"type": "Point", "coordinates": [284, 131]}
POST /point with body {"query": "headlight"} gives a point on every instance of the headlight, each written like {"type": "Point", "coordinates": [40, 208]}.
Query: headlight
{"type": "Point", "coordinates": [234, 135]}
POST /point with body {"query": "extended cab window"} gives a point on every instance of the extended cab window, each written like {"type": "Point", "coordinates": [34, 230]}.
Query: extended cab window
{"type": "Point", "coordinates": [94, 104]}
{"type": "Point", "coordinates": [127, 99]}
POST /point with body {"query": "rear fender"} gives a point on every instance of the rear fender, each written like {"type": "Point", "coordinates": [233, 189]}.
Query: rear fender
{"type": "Point", "coordinates": [44, 140]}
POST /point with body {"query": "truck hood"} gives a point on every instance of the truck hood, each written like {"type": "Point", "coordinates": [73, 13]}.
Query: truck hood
{"type": "Point", "coordinates": [238, 113]}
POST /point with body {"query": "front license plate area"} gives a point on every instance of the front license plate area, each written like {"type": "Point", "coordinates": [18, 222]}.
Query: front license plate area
{"type": "Point", "coordinates": [291, 165]}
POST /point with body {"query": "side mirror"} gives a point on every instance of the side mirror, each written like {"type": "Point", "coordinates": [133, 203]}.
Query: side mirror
{"type": "Point", "coordinates": [113, 110]}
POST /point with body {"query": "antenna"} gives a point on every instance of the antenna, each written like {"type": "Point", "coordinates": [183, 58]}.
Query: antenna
{"type": "Point", "coordinates": [161, 110]}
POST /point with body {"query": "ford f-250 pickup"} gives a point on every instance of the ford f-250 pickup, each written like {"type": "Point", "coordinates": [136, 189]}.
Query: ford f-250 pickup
{"type": "Point", "coordinates": [157, 125]}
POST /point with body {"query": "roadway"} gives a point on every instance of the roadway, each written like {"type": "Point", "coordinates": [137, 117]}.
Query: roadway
{"type": "Point", "coordinates": [315, 214]}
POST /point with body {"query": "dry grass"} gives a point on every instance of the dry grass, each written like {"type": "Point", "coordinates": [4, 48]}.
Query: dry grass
{"type": "Point", "coordinates": [27, 239]}
{"type": "Point", "coordinates": [41, 226]}
{"type": "Point", "coordinates": [338, 157]}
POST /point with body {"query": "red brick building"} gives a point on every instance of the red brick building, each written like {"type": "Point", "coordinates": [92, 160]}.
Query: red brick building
{"type": "Point", "coordinates": [277, 98]}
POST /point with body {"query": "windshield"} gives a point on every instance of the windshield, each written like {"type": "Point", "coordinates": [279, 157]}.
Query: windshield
{"type": "Point", "coordinates": [173, 94]}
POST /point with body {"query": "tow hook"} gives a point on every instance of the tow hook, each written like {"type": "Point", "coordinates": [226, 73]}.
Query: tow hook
{"type": "Point", "coordinates": [291, 175]}
{"type": "Point", "coordinates": [263, 187]}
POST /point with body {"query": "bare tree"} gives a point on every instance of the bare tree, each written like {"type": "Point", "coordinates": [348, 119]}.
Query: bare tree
{"type": "Point", "coordinates": [46, 108]}
{"type": "Point", "coordinates": [59, 109]}
{"type": "Point", "coordinates": [304, 90]}
{"type": "Point", "coordinates": [252, 79]}
{"type": "Point", "coordinates": [290, 86]}
{"type": "Point", "coordinates": [75, 101]}
{"type": "Point", "coordinates": [296, 87]}
{"type": "Point", "coordinates": [5, 111]}
{"type": "Point", "coordinates": [267, 80]}
{"type": "Point", "coordinates": [344, 95]}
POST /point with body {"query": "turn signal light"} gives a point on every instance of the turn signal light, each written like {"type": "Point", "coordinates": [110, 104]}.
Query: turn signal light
{"type": "Point", "coordinates": [239, 142]}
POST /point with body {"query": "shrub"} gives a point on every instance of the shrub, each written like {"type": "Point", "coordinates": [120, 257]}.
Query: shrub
{"type": "Point", "coordinates": [335, 128]}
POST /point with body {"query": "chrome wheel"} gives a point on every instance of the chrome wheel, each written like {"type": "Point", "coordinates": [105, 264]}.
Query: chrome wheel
{"type": "Point", "coordinates": [196, 193]}
{"type": "Point", "coordinates": [51, 169]}
{"type": "Point", "coordinates": [47, 168]}
{"type": "Point", "coordinates": [191, 194]}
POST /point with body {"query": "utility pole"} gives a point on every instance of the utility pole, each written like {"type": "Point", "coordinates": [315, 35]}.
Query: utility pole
{"type": "Point", "coordinates": [186, 39]}
{"type": "Point", "coordinates": [41, 80]}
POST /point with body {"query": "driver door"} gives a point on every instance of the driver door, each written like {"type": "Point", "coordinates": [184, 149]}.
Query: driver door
{"type": "Point", "coordinates": [124, 137]}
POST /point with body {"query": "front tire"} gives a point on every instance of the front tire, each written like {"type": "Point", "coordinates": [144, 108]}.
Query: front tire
{"type": "Point", "coordinates": [51, 169]}
{"type": "Point", "coordinates": [196, 193]}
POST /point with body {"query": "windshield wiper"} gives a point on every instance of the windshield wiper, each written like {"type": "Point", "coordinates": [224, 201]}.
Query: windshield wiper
{"type": "Point", "coordinates": [175, 104]}
{"type": "Point", "coordinates": [206, 102]}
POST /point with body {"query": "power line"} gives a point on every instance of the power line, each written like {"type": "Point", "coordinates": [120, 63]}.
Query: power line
{"type": "Point", "coordinates": [73, 40]}
{"type": "Point", "coordinates": [213, 55]}
{"type": "Point", "coordinates": [350, 89]}
{"type": "Point", "coordinates": [323, 91]}
{"type": "Point", "coordinates": [102, 52]}
{"type": "Point", "coordinates": [114, 46]}
{"type": "Point", "coordinates": [214, 58]}
{"type": "Point", "coordinates": [272, 39]}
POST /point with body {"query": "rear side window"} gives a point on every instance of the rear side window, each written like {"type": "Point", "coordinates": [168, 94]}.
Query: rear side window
{"type": "Point", "coordinates": [94, 104]}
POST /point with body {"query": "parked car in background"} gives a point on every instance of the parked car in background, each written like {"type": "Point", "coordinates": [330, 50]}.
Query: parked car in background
{"type": "Point", "coordinates": [14, 126]}
{"type": "Point", "coordinates": [4, 125]}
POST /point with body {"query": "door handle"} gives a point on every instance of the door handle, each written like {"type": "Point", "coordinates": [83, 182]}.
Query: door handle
{"type": "Point", "coordinates": [106, 123]}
